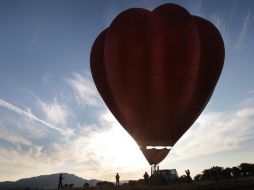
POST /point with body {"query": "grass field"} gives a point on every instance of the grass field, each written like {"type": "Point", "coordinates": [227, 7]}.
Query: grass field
{"type": "Point", "coordinates": [246, 183]}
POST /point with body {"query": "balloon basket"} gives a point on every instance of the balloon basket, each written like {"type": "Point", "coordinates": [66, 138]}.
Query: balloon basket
{"type": "Point", "coordinates": [154, 169]}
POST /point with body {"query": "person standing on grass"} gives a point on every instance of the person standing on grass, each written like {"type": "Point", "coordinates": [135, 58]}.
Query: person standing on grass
{"type": "Point", "coordinates": [117, 180]}
{"type": "Point", "coordinates": [146, 178]}
{"type": "Point", "coordinates": [60, 181]}
{"type": "Point", "coordinates": [189, 180]}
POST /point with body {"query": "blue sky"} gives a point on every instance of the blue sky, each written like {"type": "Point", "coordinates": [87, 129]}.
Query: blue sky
{"type": "Point", "coordinates": [52, 118]}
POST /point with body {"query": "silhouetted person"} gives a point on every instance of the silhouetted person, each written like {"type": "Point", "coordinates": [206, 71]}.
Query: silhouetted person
{"type": "Point", "coordinates": [60, 181]}
{"type": "Point", "coordinates": [189, 180]}
{"type": "Point", "coordinates": [117, 179]}
{"type": "Point", "coordinates": [146, 178]}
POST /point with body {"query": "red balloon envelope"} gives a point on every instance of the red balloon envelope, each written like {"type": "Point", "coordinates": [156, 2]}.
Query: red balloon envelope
{"type": "Point", "coordinates": [156, 71]}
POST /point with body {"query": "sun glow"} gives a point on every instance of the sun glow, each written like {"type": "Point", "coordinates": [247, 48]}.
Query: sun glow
{"type": "Point", "coordinates": [116, 146]}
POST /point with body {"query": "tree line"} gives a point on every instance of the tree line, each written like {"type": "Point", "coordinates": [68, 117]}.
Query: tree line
{"type": "Point", "coordinates": [218, 173]}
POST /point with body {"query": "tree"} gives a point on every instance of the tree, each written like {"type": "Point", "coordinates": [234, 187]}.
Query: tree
{"type": "Point", "coordinates": [197, 177]}
{"type": "Point", "coordinates": [183, 179]}
{"type": "Point", "coordinates": [206, 174]}
{"type": "Point", "coordinates": [213, 173]}
{"type": "Point", "coordinates": [246, 169]}
{"type": "Point", "coordinates": [227, 173]}
{"type": "Point", "coordinates": [216, 172]}
{"type": "Point", "coordinates": [236, 171]}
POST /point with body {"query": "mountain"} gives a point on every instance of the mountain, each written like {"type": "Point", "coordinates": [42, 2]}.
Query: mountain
{"type": "Point", "coordinates": [46, 182]}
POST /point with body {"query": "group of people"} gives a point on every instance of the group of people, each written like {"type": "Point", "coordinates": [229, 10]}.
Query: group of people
{"type": "Point", "coordinates": [61, 177]}
{"type": "Point", "coordinates": [146, 179]}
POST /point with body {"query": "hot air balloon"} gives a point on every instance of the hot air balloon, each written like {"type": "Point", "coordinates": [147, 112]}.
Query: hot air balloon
{"type": "Point", "coordinates": [156, 71]}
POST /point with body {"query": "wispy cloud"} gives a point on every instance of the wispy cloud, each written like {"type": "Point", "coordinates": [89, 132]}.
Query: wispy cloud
{"type": "Point", "coordinates": [27, 142]}
{"type": "Point", "coordinates": [232, 11]}
{"type": "Point", "coordinates": [13, 137]}
{"type": "Point", "coordinates": [220, 24]}
{"type": "Point", "coordinates": [84, 89]}
{"type": "Point", "coordinates": [99, 150]}
{"type": "Point", "coordinates": [195, 7]}
{"type": "Point", "coordinates": [20, 163]}
{"type": "Point", "coordinates": [31, 116]}
{"type": "Point", "coordinates": [244, 31]}
{"type": "Point", "coordinates": [56, 113]}
{"type": "Point", "coordinates": [248, 102]}
{"type": "Point", "coordinates": [216, 132]}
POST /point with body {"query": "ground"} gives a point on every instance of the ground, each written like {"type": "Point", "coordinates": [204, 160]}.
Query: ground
{"type": "Point", "coordinates": [246, 183]}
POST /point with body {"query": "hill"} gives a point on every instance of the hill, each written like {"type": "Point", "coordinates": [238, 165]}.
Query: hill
{"type": "Point", "coordinates": [46, 182]}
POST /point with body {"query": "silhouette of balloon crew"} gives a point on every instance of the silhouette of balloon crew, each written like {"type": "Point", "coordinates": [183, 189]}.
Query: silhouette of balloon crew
{"type": "Point", "coordinates": [60, 180]}
{"type": "Point", "coordinates": [117, 179]}
{"type": "Point", "coordinates": [146, 178]}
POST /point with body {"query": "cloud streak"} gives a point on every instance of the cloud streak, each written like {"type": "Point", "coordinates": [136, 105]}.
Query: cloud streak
{"type": "Point", "coordinates": [56, 112]}
{"type": "Point", "coordinates": [32, 116]}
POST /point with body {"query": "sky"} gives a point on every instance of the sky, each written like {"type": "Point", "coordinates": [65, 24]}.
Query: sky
{"type": "Point", "coordinates": [52, 118]}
